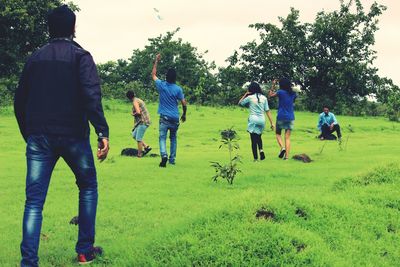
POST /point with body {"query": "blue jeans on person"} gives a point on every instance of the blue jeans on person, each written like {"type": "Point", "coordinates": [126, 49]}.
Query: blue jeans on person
{"type": "Point", "coordinates": [172, 125]}
{"type": "Point", "coordinates": [42, 153]}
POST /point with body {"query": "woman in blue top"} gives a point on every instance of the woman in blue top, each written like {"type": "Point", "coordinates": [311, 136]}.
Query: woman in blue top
{"type": "Point", "coordinates": [285, 116]}
{"type": "Point", "coordinates": [258, 104]}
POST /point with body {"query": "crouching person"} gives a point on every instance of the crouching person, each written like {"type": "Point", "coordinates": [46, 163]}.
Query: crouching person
{"type": "Point", "coordinates": [327, 125]}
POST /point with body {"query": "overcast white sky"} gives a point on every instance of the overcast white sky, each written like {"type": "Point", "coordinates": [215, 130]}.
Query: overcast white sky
{"type": "Point", "coordinates": [111, 30]}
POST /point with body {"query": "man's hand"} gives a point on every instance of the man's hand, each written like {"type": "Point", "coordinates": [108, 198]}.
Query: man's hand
{"type": "Point", "coordinates": [158, 57]}
{"type": "Point", "coordinates": [184, 107]}
{"type": "Point", "coordinates": [331, 126]}
{"type": "Point", "coordinates": [102, 149]}
{"type": "Point", "coordinates": [183, 118]}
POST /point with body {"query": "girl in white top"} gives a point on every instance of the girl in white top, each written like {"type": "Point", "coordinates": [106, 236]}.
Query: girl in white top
{"type": "Point", "coordinates": [258, 105]}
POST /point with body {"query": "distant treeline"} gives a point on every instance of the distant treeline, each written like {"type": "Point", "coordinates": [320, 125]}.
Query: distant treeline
{"type": "Point", "coordinates": [330, 60]}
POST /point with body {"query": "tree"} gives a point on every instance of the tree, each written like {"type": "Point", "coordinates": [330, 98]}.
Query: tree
{"type": "Point", "coordinates": [193, 72]}
{"type": "Point", "coordinates": [230, 85]}
{"type": "Point", "coordinates": [342, 56]}
{"type": "Point", "coordinates": [331, 59]}
{"type": "Point", "coordinates": [23, 29]}
{"type": "Point", "coordinates": [281, 52]}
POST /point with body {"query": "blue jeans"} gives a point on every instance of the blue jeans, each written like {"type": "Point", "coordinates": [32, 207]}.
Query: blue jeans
{"type": "Point", "coordinates": [165, 125]}
{"type": "Point", "coordinates": [42, 153]}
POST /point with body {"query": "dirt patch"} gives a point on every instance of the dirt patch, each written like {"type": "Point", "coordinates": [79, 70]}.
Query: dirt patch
{"type": "Point", "coordinates": [300, 246]}
{"type": "Point", "coordinates": [44, 237]}
{"type": "Point", "coordinates": [393, 205]}
{"type": "Point", "coordinates": [391, 228]}
{"type": "Point", "coordinates": [265, 214]}
{"type": "Point", "coordinates": [74, 220]}
{"type": "Point", "coordinates": [132, 152]}
{"type": "Point", "coordinates": [302, 157]}
{"type": "Point", "coordinates": [301, 213]}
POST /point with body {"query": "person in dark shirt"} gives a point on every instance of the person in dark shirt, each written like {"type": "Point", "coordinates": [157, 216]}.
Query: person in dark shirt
{"type": "Point", "coordinates": [285, 117]}
{"type": "Point", "coordinates": [58, 94]}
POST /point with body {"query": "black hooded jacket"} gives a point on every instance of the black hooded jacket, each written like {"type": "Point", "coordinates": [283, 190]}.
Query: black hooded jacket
{"type": "Point", "coordinates": [59, 92]}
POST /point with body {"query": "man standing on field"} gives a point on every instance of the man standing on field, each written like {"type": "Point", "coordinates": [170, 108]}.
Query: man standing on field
{"type": "Point", "coordinates": [58, 93]}
{"type": "Point", "coordinates": [142, 122]}
{"type": "Point", "coordinates": [169, 96]}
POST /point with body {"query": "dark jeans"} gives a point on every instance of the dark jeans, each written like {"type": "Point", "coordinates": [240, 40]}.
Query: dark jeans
{"type": "Point", "coordinates": [42, 153]}
{"type": "Point", "coordinates": [326, 131]}
{"type": "Point", "coordinates": [256, 141]}
{"type": "Point", "coordinates": [165, 125]}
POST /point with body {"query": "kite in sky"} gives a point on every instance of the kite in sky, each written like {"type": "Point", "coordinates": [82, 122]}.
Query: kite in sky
{"type": "Point", "coordinates": [157, 13]}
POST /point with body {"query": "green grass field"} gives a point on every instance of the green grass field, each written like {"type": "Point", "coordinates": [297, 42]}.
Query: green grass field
{"type": "Point", "coordinates": [343, 209]}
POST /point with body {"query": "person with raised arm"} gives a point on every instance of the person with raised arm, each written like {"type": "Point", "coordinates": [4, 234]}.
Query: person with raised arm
{"type": "Point", "coordinates": [170, 94]}
{"type": "Point", "coordinates": [258, 105]}
{"type": "Point", "coordinates": [285, 117]}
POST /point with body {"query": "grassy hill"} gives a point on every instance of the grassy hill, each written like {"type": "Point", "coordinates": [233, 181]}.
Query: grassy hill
{"type": "Point", "coordinates": [343, 209]}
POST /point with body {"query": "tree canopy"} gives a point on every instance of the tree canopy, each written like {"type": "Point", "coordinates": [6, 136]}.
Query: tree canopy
{"type": "Point", "coordinates": [193, 72]}
{"type": "Point", "coordinates": [331, 58]}
{"type": "Point", "coordinates": [23, 29]}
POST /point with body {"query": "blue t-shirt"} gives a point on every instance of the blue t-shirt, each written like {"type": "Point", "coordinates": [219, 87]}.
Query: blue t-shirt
{"type": "Point", "coordinates": [326, 119]}
{"type": "Point", "coordinates": [286, 107]}
{"type": "Point", "coordinates": [169, 95]}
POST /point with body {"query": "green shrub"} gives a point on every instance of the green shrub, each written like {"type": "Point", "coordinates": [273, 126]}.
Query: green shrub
{"type": "Point", "coordinates": [228, 171]}
{"type": "Point", "coordinates": [7, 90]}
{"type": "Point", "coordinates": [393, 106]}
{"type": "Point", "coordinates": [118, 91]}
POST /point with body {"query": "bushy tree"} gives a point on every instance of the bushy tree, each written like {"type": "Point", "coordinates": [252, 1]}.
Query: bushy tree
{"type": "Point", "coordinates": [389, 94]}
{"type": "Point", "coordinates": [23, 29]}
{"type": "Point", "coordinates": [230, 85]}
{"type": "Point", "coordinates": [331, 59]}
{"type": "Point", "coordinates": [194, 73]}
{"type": "Point", "coordinates": [393, 106]}
{"type": "Point", "coordinates": [281, 52]}
{"type": "Point", "coordinates": [341, 44]}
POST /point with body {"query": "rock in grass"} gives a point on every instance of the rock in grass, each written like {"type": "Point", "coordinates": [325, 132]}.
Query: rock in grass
{"type": "Point", "coordinates": [300, 246]}
{"type": "Point", "coordinates": [44, 237]}
{"type": "Point", "coordinates": [301, 213]}
{"type": "Point", "coordinates": [266, 214]}
{"type": "Point", "coordinates": [74, 220]}
{"type": "Point", "coordinates": [302, 157]}
{"type": "Point", "coordinates": [132, 152]}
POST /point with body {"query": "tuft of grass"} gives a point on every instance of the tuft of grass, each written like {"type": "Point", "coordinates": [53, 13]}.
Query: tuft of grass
{"type": "Point", "coordinates": [388, 174]}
